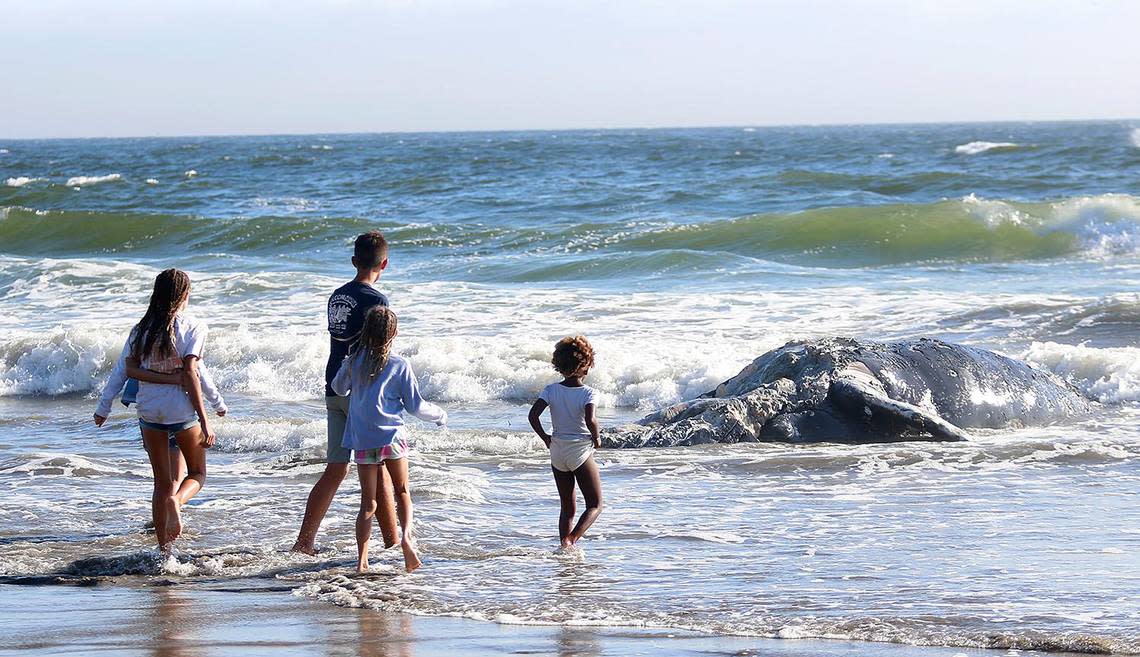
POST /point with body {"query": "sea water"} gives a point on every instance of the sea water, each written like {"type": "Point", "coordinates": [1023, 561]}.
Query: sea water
{"type": "Point", "coordinates": [682, 254]}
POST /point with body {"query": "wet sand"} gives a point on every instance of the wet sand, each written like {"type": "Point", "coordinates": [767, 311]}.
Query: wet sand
{"type": "Point", "coordinates": [179, 621]}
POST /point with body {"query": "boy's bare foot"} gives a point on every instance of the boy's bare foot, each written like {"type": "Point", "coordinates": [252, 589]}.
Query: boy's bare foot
{"type": "Point", "coordinates": [566, 542]}
{"type": "Point", "coordinates": [411, 559]}
{"type": "Point", "coordinates": [173, 520]}
{"type": "Point", "coordinates": [304, 549]}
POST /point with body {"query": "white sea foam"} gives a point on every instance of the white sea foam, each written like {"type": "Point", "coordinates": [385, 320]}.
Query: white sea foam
{"type": "Point", "coordinates": [54, 362]}
{"type": "Point", "coordinates": [152, 181]}
{"type": "Point", "coordinates": [1109, 375]}
{"type": "Point", "coordinates": [1108, 224]}
{"type": "Point", "coordinates": [451, 370]}
{"type": "Point", "coordinates": [191, 173]}
{"type": "Point", "coordinates": [79, 181]}
{"type": "Point", "coordinates": [1105, 224]}
{"type": "Point", "coordinates": [1135, 135]}
{"type": "Point", "coordinates": [20, 181]}
{"type": "Point", "coordinates": [975, 147]}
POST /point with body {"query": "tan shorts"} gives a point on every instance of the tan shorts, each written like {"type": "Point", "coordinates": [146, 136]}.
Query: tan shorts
{"type": "Point", "coordinates": [569, 455]}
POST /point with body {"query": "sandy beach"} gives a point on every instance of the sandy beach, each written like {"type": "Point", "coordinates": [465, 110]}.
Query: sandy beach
{"type": "Point", "coordinates": [173, 621]}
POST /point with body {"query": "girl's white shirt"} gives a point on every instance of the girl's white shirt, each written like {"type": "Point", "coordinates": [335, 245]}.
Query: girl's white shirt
{"type": "Point", "coordinates": [165, 403]}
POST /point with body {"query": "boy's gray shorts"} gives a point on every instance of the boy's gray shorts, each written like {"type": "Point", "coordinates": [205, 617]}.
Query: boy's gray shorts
{"type": "Point", "coordinates": [337, 408]}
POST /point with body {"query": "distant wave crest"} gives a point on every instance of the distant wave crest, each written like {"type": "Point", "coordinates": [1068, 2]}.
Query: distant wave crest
{"type": "Point", "coordinates": [976, 147]}
{"type": "Point", "coordinates": [79, 181]}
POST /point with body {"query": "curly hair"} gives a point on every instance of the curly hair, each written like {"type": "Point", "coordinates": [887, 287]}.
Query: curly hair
{"type": "Point", "coordinates": [573, 356]}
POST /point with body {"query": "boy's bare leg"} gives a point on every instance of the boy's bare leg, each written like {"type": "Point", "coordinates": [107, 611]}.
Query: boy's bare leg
{"type": "Point", "coordinates": [565, 483]}
{"type": "Point", "coordinates": [162, 499]}
{"type": "Point", "coordinates": [590, 481]}
{"type": "Point", "coordinates": [320, 498]}
{"type": "Point", "coordinates": [369, 478]}
{"type": "Point", "coordinates": [398, 469]}
{"type": "Point", "coordinates": [190, 445]}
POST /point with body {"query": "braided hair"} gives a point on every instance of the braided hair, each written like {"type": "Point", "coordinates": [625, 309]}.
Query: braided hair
{"type": "Point", "coordinates": [376, 339]}
{"type": "Point", "coordinates": [573, 356]}
{"type": "Point", "coordinates": [154, 334]}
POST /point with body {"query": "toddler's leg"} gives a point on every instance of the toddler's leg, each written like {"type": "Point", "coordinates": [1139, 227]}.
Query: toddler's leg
{"type": "Point", "coordinates": [590, 481]}
{"type": "Point", "coordinates": [369, 478]}
{"type": "Point", "coordinates": [162, 499]}
{"type": "Point", "coordinates": [565, 483]}
{"type": "Point", "coordinates": [398, 469]}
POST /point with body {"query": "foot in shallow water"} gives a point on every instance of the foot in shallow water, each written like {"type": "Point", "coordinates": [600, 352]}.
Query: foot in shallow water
{"type": "Point", "coordinates": [362, 565]}
{"type": "Point", "coordinates": [411, 559]}
{"type": "Point", "coordinates": [310, 550]}
{"type": "Point", "coordinates": [570, 551]}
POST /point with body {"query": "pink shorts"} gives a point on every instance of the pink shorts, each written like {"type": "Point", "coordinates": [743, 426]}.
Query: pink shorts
{"type": "Point", "coordinates": [395, 450]}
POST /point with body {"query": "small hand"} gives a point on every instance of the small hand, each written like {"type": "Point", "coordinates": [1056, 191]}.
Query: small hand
{"type": "Point", "coordinates": [597, 444]}
{"type": "Point", "coordinates": [99, 420]}
{"type": "Point", "coordinates": [208, 437]}
{"type": "Point", "coordinates": [546, 441]}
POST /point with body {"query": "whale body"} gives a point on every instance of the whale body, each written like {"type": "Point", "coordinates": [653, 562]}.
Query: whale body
{"type": "Point", "coordinates": [851, 391]}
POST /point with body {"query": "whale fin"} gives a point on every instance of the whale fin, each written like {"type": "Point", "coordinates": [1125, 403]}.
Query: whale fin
{"type": "Point", "coordinates": [857, 384]}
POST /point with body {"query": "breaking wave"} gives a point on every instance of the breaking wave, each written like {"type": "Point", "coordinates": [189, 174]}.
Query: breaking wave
{"type": "Point", "coordinates": [451, 370]}
{"type": "Point", "coordinates": [970, 229]}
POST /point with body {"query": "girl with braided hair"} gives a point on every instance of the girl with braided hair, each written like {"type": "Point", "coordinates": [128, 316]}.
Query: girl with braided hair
{"type": "Point", "coordinates": [383, 386]}
{"type": "Point", "coordinates": [574, 437]}
{"type": "Point", "coordinates": [163, 354]}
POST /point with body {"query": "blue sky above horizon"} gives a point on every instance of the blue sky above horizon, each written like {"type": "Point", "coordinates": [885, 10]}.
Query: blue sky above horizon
{"type": "Point", "coordinates": [132, 68]}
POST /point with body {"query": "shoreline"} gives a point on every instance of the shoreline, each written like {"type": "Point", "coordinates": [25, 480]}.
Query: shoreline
{"type": "Point", "coordinates": [241, 617]}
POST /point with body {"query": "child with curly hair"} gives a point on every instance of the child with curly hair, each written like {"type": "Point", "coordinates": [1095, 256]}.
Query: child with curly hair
{"type": "Point", "coordinates": [574, 436]}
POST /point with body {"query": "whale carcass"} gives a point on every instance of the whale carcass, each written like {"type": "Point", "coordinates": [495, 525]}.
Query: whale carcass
{"type": "Point", "coordinates": [851, 391]}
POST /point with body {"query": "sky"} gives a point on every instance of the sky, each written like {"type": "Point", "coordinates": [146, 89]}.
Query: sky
{"type": "Point", "coordinates": [76, 68]}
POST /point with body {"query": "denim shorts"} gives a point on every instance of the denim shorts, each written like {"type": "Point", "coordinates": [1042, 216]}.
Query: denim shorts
{"type": "Point", "coordinates": [170, 429]}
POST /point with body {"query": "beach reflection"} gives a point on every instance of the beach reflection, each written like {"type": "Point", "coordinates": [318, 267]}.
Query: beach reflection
{"type": "Point", "coordinates": [578, 583]}
{"type": "Point", "coordinates": [171, 623]}
{"type": "Point", "coordinates": [578, 642]}
{"type": "Point", "coordinates": [385, 635]}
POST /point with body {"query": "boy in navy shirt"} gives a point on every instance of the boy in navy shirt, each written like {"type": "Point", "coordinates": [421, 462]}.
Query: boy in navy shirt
{"type": "Point", "coordinates": [346, 310]}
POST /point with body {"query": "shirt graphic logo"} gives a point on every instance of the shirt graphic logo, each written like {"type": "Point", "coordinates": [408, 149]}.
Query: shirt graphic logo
{"type": "Point", "coordinates": [340, 307]}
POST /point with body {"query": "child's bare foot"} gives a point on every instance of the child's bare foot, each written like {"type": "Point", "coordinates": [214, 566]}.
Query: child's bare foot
{"type": "Point", "coordinates": [566, 542]}
{"type": "Point", "coordinates": [304, 549]}
{"type": "Point", "coordinates": [411, 559]}
{"type": "Point", "coordinates": [173, 520]}
{"type": "Point", "coordinates": [362, 565]}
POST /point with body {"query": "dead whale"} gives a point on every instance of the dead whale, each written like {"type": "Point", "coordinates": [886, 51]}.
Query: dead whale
{"type": "Point", "coordinates": [850, 391]}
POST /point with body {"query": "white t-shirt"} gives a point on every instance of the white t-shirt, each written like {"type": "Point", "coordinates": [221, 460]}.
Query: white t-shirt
{"type": "Point", "coordinates": [568, 410]}
{"type": "Point", "coordinates": [164, 403]}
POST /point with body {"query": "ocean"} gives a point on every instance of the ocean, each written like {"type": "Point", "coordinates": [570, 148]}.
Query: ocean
{"type": "Point", "coordinates": [682, 254]}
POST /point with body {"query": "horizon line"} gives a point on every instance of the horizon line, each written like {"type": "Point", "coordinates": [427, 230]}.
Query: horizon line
{"type": "Point", "coordinates": [605, 129]}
